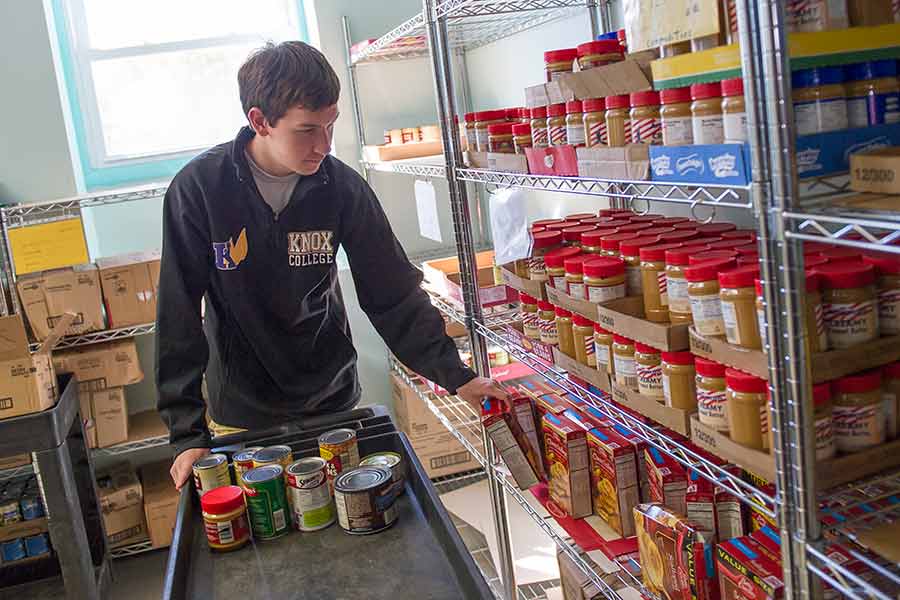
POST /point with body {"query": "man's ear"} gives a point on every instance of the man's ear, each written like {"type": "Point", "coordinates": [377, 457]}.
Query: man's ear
{"type": "Point", "coordinates": [258, 121]}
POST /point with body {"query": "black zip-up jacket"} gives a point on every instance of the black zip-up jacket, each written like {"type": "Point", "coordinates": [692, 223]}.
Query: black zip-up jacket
{"type": "Point", "coordinates": [275, 343]}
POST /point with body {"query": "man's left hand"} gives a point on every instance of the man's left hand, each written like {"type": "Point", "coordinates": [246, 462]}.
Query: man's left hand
{"type": "Point", "coordinates": [475, 391]}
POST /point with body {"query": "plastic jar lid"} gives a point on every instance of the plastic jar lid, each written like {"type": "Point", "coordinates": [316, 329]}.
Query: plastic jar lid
{"type": "Point", "coordinates": [633, 247]}
{"type": "Point", "coordinates": [539, 112]}
{"type": "Point", "coordinates": [635, 227]}
{"type": "Point", "coordinates": [620, 101]}
{"type": "Point", "coordinates": [513, 113]}
{"type": "Point", "coordinates": [600, 329]}
{"type": "Point", "coordinates": [544, 305]}
{"type": "Point", "coordinates": [579, 216]}
{"type": "Point", "coordinates": [745, 249]}
{"type": "Point", "coordinates": [841, 255]}
{"type": "Point", "coordinates": [815, 260]}
{"type": "Point", "coordinates": [740, 277]}
{"type": "Point", "coordinates": [646, 218]}
{"type": "Point", "coordinates": [573, 234]}
{"type": "Point", "coordinates": [222, 500]}
{"type": "Point", "coordinates": [723, 245]}
{"type": "Point", "coordinates": [738, 234]}
{"type": "Point", "coordinates": [519, 129]}
{"type": "Point", "coordinates": [744, 382]}
{"type": "Point", "coordinates": [678, 358]}
{"type": "Point", "coordinates": [552, 56]}
{"type": "Point", "coordinates": [575, 263]}
{"type": "Point", "coordinates": [875, 69]}
{"type": "Point", "coordinates": [702, 257]}
{"type": "Point", "coordinates": [556, 258]}
{"type": "Point", "coordinates": [682, 255]}
{"type": "Point", "coordinates": [674, 222]}
{"type": "Point", "coordinates": [715, 228]}
{"type": "Point", "coordinates": [699, 91]}
{"type": "Point", "coordinates": [599, 47]}
{"type": "Point", "coordinates": [884, 265]}
{"type": "Point", "coordinates": [580, 321]}
{"type": "Point", "coordinates": [469, 117]}
{"type": "Point", "coordinates": [595, 238]}
{"type": "Point", "coordinates": [645, 348]}
{"type": "Point", "coordinates": [573, 107]}
{"type": "Point", "coordinates": [675, 95]}
{"type": "Point", "coordinates": [858, 383]}
{"type": "Point", "coordinates": [657, 253]}
{"type": "Point", "coordinates": [526, 299]}
{"type": "Point", "coordinates": [594, 105]}
{"type": "Point", "coordinates": [817, 76]}
{"type": "Point", "coordinates": [546, 239]}
{"type": "Point", "coordinates": [562, 225]}
{"type": "Point", "coordinates": [709, 368]}
{"type": "Point", "coordinates": [708, 270]}
{"type": "Point", "coordinates": [846, 275]}
{"type": "Point", "coordinates": [561, 312]}
{"type": "Point", "coordinates": [556, 110]}
{"type": "Point", "coordinates": [688, 224]}
{"type": "Point", "coordinates": [490, 115]}
{"type": "Point", "coordinates": [680, 235]}
{"type": "Point", "coordinates": [822, 393]}
{"type": "Point", "coordinates": [500, 129]}
{"type": "Point", "coordinates": [891, 370]}
{"type": "Point", "coordinates": [813, 282]}
{"type": "Point", "coordinates": [747, 259]}
{"type": "Point", "coordinates": [611, 242]}
{"type": "Point", "coordinates": [733, 87]}
{"type": "Point", "coordinates": [545, 222]}
{"type": "Point", "coordinates": [660, 231]}
{"type": "Point", "coordinates": [757, 284]}
{"type": "Point", "coordinates": [622, 340]}
{"type": "Point", "coordinates": [603, 267]}
{"type": "Point", "coordinates": [648, 98]}
{"type": "Point", "coordinates": [617, 222]}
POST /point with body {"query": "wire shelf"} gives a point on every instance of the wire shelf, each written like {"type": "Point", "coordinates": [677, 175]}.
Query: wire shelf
{"type": "Point", "coordinates": [407, 168]}
{"type": "Point", "coordinates": [133, 446]}
{"type": "Point", "coordinates": [97, 337]}
{"type": "Point", "coordinates": [868, 230]}
{"type": "Point", "coordinates": [132, 550]}
{"type": "Point", "coordinates": [16, 472]}
{"type": "Point", "coordinates": [464, 427]}
{"type": "Point", "coordinates": [21, 215]}
{"type": "Point", "coordinates": [711, 196]}
{"type": "Point", "coordinates": [457, 313]}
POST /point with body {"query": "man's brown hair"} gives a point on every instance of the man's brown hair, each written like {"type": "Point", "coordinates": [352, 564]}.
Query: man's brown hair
{"type": "Point", "coordinates": [278, 77]}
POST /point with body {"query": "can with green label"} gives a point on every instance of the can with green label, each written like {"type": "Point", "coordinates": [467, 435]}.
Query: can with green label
{"type": "Point", "coordinates": [266, 501]}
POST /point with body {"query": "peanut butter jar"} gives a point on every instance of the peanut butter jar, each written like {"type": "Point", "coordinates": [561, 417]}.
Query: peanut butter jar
{"type": "Point", "coordinates": [679, 380]}
{"type": "Point", "coordinates": [500, 138]}
{"type": "Point", "coordinates": [528, 307]}
{"type": "Point", "coordinates": [706, 111]}
{"type": "Point", "coordinates": [623, 360]}
{"type": "Point", "coordinates": [887, 271]}
{"type": "Point", "coordinates": [815, 315]}
{"type": "Point", "coordinates": [572, 235]}
{"type": "Point", "coordinates": [761, 315]}
{"type": "Point", "coordinates": [711, 407]}
{"type": "Point", "coordinates": [554, 264]}
{"type": "Point", "coordinates": [822, 407]}
{"type": "Point", "coordinates": [891, 399]}
{"type": "Point", "coordinates": [645, 124]}
{"type": "Point", "coordinates": [591, 242]}
{"type": "Point", "coordinates": [610, 243]}
{"type": "Point", "coordinates": [556, 124]}
{"type": "Point", "coordinates": [850, 303]}
{"type": "Point", "coordinates": [575, 123]}
{"type": "Point", "coordinates": [675, 117]}
{"type": "Point", "coordinates": [738, 299]}
{"type": "Point", "coordinates": [595, 122]}
{"type": "Point", "coordinates": [599, 53]}
{"type": "Point", "coordinates": [542, 243]}
{"type": "Point", "coordinates": [574, 268]}
{"type": "Point", "coordinates": [521, 137]}
{"type": "Point", "coordinates": [539, 127]}
{"type": "Point", "coordinates": [618, 120]}
{"type": "Point", "coordinates": [564, 331]}
{"type": "Point", "coordinates": [603, 342]}
{"type": "Point", "coordinates": [483, 120]}
{"type": "Point", "coordinates": [703, 291]}
{"type": "Point", "coordinates": [746, 408]}
{"type": "Point", "coordinates": [648, 368]}
{"type": "Point", "coordinates": [858, 416]}
{"type": "Point", "coordinates": [604, 278]}
{"type": "Point", "coordinates": [677, 260]}
{"type": "Point", "coordinates": [653, 281]}
{"type": "Point", "coordinates": [547, 322]}
{"type": "Point", "coordinates": [558, 62]}
{"type": "Point", "coordinates": [734, 111]}
{"type": "Point", "coordinates": [583, 335]}
{"type": "Point", "coordinates": [630, 251]}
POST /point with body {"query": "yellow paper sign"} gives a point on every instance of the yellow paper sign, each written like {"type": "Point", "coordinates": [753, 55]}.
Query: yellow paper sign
{"type": "Point", "coordinates": [654, 23]}
{"type": "Point", "coordinates": [48, 246]}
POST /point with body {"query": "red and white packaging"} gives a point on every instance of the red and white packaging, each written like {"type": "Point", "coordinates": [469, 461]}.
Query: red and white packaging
{"type": "Point", "coordinates": [614, 479]}
{"type": "Point", "coordinates": [511, 443]}
{"type": "Point", "coordinates": [667, 479]}
{"type": "Point", "coordinates": [747, 572]}
{"type": "Point", "coordinates": [640, 446]}
{"type": "Point", "coordinates": [568, 466]}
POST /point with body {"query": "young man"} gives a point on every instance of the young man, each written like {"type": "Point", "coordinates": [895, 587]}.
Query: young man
{"type": "Point", "coordinates": [252, 226]}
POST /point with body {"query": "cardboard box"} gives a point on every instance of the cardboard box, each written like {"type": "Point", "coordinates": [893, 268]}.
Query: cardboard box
{"type": "Point", "coordinates": [536, 347]}
{"type": "Point", "coordinates": [527, 286]}
{"type": "Point", "coordinates": [47, 295]}
{"type": "Point", "coordinates": [668, 480]}
{"type": "Point", "coordinates": [443, 277]}
{"type": "Point", "coordinates": [441, 454]}
{"type": "Point", "coordinates": [614, 479]}
{"type": "Point", "coordinates": [160, 502]}
{"type": "Point", "coordinates": [829, 153]}
{"type": "Point", "coordinates": [566, 451]}
{"type": "Point", "coordinates": [512, 444]}
{"type": "Point", "coordinates": [577, 586]}
{"type": "Point", "coordinates": [555, 161]}
{"type": "Point", "coordinates": [121, 504]}
{"type": "Point", "coordinates": [27, 381]}
{"type": "Point", "coordinates": [850, 467]}
{"type": "Point", "coordinates": [722, 164]}
{"type": "Point", "coordinates": [631, 162]}
{"type": "Point", "coordinates": [524, 411]}
{"type": "Point", "coordinates": [584, 372]}
{"type": "Point", "coordinates": [105, 416]}
{"type": "Point", "coordinates": [816, 15]}
{"type": "Point", "coordinates": [675, 419]}
{"type": "Point", "coordinates": [405, 151]}
{"type": "Point", "coordinates": [23, 529]}
{"type": "Point", "coordinates": [761, 463]}
{"type": "Point", "coordinates": [866, 13]}
{"type": "Point", "coordinates": [101, 366]}
{"type": "Point", "coordinates": [414, 418]}
{"type": "Point", "coordinates": [12, 462]}
{"type": "Point", "coordinates": [747, 571]}
{"type": "Point", "coordinates": [497, 161]}
{"type": "Point", "coordinates": [560, 298]}
{"type": "Point", "coordinates": [876, 171]}
{"type": "Point", "coordinates": [625, 316]}
{"type": "Point", "coordinates": [129, 287]}
{"type": "Point", "coordinates": [624, 77]}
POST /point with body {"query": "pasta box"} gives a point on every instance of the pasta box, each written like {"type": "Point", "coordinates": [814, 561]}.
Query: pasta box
{"type": "Point", "coordinates": [565, 445]}
{"type": "Point", "coordinates": [614, 479]}
{"type": "Point", "coordinates": [668, 480]}
{"type": "Point", "coordinates": [747, 571]}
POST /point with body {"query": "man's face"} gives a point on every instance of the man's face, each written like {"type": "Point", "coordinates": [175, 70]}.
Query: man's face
{"type": "Point", "coordinates": [300, 140]}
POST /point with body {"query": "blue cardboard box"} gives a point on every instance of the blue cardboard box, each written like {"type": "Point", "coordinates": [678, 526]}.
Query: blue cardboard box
{"type": "Point", "coordinates": [829, 153]}
{"type": "Point", "coordinates": [724, 164]}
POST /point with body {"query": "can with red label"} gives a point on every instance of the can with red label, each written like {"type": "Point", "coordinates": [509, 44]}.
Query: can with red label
{"type": "Point", "coordinates": [243, 462]}
{"type": "Point", "coordinates": [312, 505]}
{"type": "Point", "coordinates": [340, 449]}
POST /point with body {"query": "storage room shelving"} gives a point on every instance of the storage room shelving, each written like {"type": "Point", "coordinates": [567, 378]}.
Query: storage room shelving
{"type": "Point", "coordinates": [785, 216]}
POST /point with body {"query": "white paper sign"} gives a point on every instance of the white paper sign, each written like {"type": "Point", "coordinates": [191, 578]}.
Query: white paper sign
{"type": "Point", "coordinates": [509, 226]}
{"type": "Point", "coordinates": [426, 208]}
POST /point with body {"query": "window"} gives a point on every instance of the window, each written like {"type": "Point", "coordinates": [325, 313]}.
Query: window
{"type": "Point", "coordinates": [151, 83]}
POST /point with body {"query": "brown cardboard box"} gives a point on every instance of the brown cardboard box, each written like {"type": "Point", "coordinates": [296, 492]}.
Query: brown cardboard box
{"type": "Point", "coordinates": [589, 374]}
{"type": "Point", "coordinates": [532, 288]}
{"type": "Point", "coordinates": [27, 381]}
{"type": "Point", "coordinates": [22, 529]}
{"type": "Point", "coordinates": [11, 462]}
{"type": "Point", "coordinates": [160, 502]}
{"type": "Point", "coordinates": [816, 15]}
{"type": "Point", "coordinates": [105, 414]}
{"type": "Point", "coordinates": [47, 295]}
{"type": "Point", "coordinates": [866, 13]}
{"type": "Point", "coordinates": [414, 418]}
{"type": "Point", "coordinates": [129, 287]}
{"type": "Point", "coordinates": [761, 463]}
{"type": "Point", "coordinates": [111, 364]}
{"type": "Point", "coordinates": [876, 171]}
{"type": "Point", "coordinates": [624, 77]}
{"type": "Point", "coordinates": [577, 586]}
{"type": "Point", "coordinates": [498, 161]}
{"type": "Point", "coordinates": [630, 162]}
{"type": "Point", "coordinates": [442, 454]}
{"type": "Point", "coordinates": [558, 297]}
{"type": "Point", "coordinates": [674, 418]}
{"type": "Point", "coordinates": [121, 504]}
{"type": "Point", "coordinates": [625, 316]}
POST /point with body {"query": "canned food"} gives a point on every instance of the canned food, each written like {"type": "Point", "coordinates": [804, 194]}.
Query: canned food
{"type": "Point", "coordinates": [211, 472]}
{"type": "Point", "coordinates": [364, 498]}
{"type": "Point", "coordinates": [273, 455]}
{"type": "Point", "coordinates": [12, 550]}
{"type": "Point", "coordinates": [340, 449]}
{"type": "Point", "coordinates": [31, 506]}
{"type": "Point", "coordinates": [312, 505]}
{"type": "Point", "coordinates": [36, 545]}
{"type": "Point", "coordinates": [266, 501]}
{"type": "Point", "coordinates": [243, 462]}
{"type": "Point", "coordinates": [391, 460]}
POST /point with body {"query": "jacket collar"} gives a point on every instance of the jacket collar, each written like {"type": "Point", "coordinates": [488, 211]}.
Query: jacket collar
{"type": "Point", "coordinates": [242, 169]}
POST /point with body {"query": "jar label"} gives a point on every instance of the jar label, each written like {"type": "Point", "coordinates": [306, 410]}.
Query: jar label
{"type": "Point", "coordinates": [549, 332]}
{"type": "Point", "coordinates": [597, 134]}
{"type": "Point", "coordinates": [890, 414]}
{"type": "Point", "coordinates": [649, 379]}
{"type": "Point", "coordinates": [646, 131]}
{"type": "Point", "coordinates": [481, 139]}
{"type": "Point", "coordinates": [730, 320]}
{"type": "Point", "coordinates": [677, 131]}
{"type": "Point", "coordinates": [857, 112]}
{"type": "Point", "coordinates": [708, 130]}
{"type": "Point", "coordinates": [575, 135]}
{"type": "Point", "coordinates": [559, 282]}
{"type": "Point", "coordinates": [763, 330]}
{"type": "Point", "coordinates": [824, 438]}
{"type": "Point", "coordinates": [764, 425]}
{"type": "Point", "coordinates": [539, 137]}
{"type": "Point", "coordinates": [662, 284]}
{"type": "Point", "coordinates": [889, 312]}
{"type": "Point", "coordinates": [858, 427]}
{"type": "Point", "coordinates": [821, 116]}
{"type": "Point", "coordinates": [819, 313]}
{"type": "Point", "coordinates": [531, 325]}
{"type": "Point", "coordinates": [625, 371]}
{"type": "Point", "coordinates": [706, 311]}
{"type": "Point", "coordinates": [576, 290]}
{"type": "Point", "coordinates": [626, 127]}
{"type": "Point", "coordinates": [633, 283]}
{"type": "Point", "coordinates": [711, 408]}
{"type": "Point", "coordinates": [537, 268]}
{"type": "Point", "coordinates": [735, 127]}
{"type": "Point", "coordinates": [471, 139]}
{"type": "Point", "coordinates": [851, 324]}
{"type": "Point", "coordinates": [605, 294]}
{"type": "Point", "coordinates": [601, 352]}
{"type": "Point", "coordinates": [557, 135]}
{"type": "Point", "coordinates": [676, 290]}
{"type": "Point", "coordinates": [873, 109]}
{"type": "Point", "coordinates": [589, 351]}
{"type": "Point", "coordinates": [667, 389]}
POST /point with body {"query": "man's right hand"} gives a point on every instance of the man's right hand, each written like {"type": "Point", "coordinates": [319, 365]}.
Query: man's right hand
{"type": "Point", "coordinates": [182, 468]}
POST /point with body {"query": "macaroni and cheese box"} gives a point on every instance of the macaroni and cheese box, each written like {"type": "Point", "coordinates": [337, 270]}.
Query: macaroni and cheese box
{"type": "Point", "coordinates": [747, 571]}
{"type": "Point", "coordinates": [567, 456]}
{"type": "Point", "coordinates": [668, 480]}
{"type": "Point", "coordinates": [614, 479]}
{"type": "Point", "coordinates": [640, 446]}
{"type": "Point", "coordinates": [546, 404]}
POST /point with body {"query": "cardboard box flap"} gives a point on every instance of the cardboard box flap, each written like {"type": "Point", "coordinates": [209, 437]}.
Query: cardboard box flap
{"type": "Point", "coordinates": [125, 260]}
{"type": "Point", "coordinates": [56, 334]}
{"type": "Point", "coordinates": [119, 488]}
{"type": "Point", "coordinates": [13, 341]}
{"type": "Point", "coordinates": [630, 162]}
{"type": "Point", "coordinates": [623, 77]}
